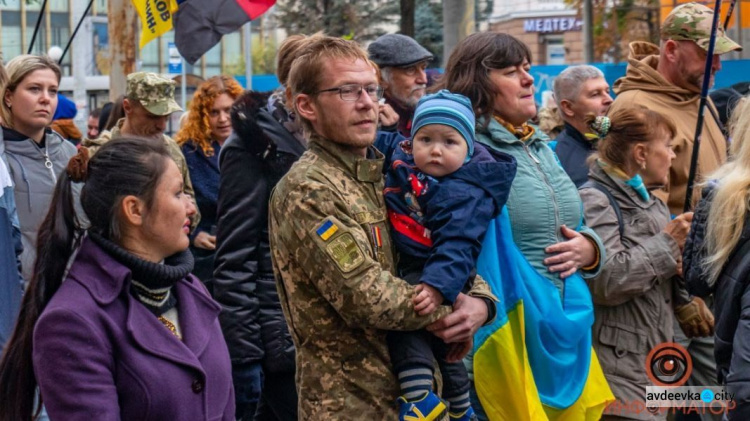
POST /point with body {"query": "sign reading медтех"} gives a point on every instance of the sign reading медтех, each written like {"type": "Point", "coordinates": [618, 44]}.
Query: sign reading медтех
{"type": "Point", "coordinates": [552, 25]}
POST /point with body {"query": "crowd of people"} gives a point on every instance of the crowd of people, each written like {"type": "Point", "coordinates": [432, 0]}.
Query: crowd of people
{"type": "Point", "coordinates": [312, 252]}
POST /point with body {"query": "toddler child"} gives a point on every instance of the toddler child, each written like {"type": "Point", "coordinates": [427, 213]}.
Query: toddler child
{"type": "Point", "coordinates": [441, 191]}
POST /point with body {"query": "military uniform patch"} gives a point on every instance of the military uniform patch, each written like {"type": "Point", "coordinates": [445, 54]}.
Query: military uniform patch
{"type": "Point", "coordinates": [345, 252]}
{"type": "Point", "coordinates": [326, 230]}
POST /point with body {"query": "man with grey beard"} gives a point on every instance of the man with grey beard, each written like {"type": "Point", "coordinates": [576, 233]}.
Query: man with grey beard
{"type": "Point", "coordinates": [402, 63]}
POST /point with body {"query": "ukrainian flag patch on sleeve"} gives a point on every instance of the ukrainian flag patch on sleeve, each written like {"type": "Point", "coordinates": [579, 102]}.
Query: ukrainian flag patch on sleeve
{"type": "Point", "coordinates": [326, 230]}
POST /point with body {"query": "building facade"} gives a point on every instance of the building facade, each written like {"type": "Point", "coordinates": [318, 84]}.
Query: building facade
{"type": "Point", "coordinates": [17, 24]}
{"type": "Point", "coordinates": [552, 30]}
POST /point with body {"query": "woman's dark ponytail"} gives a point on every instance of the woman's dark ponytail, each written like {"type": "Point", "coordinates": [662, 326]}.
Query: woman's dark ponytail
{"type": "Point", "coordinates": [122, 167]}
{"type": "Point", "coordinates": [56, 241]}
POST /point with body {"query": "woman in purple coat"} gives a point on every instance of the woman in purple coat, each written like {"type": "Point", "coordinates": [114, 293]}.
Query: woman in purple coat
{"type": "Point", "coordinates": [129, 334]}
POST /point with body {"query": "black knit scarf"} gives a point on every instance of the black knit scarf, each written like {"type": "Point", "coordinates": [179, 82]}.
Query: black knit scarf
{"type": "Point", "coordinates": [149, 278]}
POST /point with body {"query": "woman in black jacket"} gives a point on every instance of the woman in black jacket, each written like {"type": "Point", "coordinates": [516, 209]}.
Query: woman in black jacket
{"type": "Point", "coordinates": [267, 140]}
{"type": "Point", "coordinates": [717, 259]}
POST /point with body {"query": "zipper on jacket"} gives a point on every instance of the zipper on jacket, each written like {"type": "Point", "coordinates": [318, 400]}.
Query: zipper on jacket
{"type": "Point", "coordinates": [48, 164]}
{"type": "Point", "coordinates": [547, 183]}
{"type": "Point", "coordinates": [47, 161]}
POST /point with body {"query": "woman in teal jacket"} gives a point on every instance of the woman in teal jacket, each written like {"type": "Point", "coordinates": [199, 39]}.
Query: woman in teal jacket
{"type": "Point", "coordinates": [544, 207]}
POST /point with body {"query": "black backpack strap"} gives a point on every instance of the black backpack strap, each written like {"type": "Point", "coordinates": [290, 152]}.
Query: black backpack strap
{"type": "Point", "coordinates": [612, 202]}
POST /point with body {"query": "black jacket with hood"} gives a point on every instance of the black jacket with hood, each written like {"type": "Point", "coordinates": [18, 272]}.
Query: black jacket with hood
{"type": "Point", "coordinates": [731, 306]}
{"type": "Point", "coordinates": [252, 161]}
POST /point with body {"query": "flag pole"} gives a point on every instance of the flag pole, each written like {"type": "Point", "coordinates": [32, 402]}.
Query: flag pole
{"type": "Point", "coordinates": [702, 108]}
{"type": "Point", "coordinates": [729, 14]}
{"type": "Point", "coordinates": [36, 28]}
{"type": "Point", "coordinates": [248, 56]}
{"type": "Point", "coordinates": [70, 41]}
{"type": "Point", "coordinates": [183, 86]}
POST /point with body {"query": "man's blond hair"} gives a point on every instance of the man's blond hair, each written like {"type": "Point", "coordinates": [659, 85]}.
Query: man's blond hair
{"type": "Point", "coordinates": [308, 68]}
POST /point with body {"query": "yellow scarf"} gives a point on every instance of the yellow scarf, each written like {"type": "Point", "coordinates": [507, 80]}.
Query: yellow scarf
{"type": "Point", "coordinates": [523, 133]}
{"type": "Point", "coordinates": [613, 170]}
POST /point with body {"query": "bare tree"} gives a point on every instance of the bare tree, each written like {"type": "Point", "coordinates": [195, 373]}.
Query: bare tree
{"type": "Point", "coordinates": [458, 23]}
{"type": "Point", "coordinates": [356, 20]}
{"type": "Point", "coordinates": [407, 17]}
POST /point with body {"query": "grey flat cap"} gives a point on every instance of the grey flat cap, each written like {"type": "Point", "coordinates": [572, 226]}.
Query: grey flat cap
{"type": "Point", "coordinates": [396, 50]}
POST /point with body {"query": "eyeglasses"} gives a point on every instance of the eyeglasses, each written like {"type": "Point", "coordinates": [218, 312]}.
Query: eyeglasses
{"type": "Point", "coordinates": [352, 92]}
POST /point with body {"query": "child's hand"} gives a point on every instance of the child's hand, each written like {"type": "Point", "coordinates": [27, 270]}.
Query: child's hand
{"type": "Point", "coordinates": [427, 299]}
{"type": "Point", "coordinates": [458, 350]}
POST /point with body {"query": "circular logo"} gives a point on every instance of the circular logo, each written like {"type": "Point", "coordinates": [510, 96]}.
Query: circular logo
{"type": "Point", "coordinates": [669, 364]}
{"type": "Point", "coordinates": [707, 395]}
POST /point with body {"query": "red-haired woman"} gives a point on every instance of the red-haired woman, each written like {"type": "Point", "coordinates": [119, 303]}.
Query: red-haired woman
{"type": "Point", "coordinates": [208, 125]}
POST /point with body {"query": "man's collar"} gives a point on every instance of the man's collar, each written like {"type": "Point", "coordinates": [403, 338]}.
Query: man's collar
{"type": "Point", "coordinates": [576, 135]}
{"type": "Point", "coordinates": [404, 115]}
{"type": "Point", "coordinates": [368, 169]}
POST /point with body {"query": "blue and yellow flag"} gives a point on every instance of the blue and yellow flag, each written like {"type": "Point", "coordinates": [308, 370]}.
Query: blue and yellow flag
{"type": "Point", "coordinates": [535, 361]}
{"type": "Point", "coordinates": [156, 18]}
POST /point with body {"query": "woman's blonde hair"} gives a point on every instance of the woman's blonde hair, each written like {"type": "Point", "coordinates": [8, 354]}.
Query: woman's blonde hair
{"type": "Point", "coordinates": [17, 69]}
{"type": "Point", "coordinates": [197, 128]}
{"type": "Point", "coordinates": [731, 197]}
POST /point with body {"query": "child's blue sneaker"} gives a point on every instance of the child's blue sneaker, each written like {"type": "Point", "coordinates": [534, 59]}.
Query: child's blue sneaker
{"type": "Point", "coordinates": [467, 415]}
{"type": "Point", "coordinates": [427, 408]}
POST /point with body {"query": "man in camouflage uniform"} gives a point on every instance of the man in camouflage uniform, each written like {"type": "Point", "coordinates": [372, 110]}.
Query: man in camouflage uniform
{"type": "Point", "coordinates": [331, 247]}
{"type": "Point", "coordinates": [149, 100]}
{"type": "Point", "coordinates": [668, 79]}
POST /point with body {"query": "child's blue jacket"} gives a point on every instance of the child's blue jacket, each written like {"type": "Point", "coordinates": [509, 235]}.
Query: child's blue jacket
{"type": "Point", "coordinates": [439, 223]}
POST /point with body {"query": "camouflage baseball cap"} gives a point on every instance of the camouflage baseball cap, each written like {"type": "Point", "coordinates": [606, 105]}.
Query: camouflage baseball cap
{"type": "Point", "coordinates": [154, 92]}
{"type": "Point", "coordinates": [692, 22]}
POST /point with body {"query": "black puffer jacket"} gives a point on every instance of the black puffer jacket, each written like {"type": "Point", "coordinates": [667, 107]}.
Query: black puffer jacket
{"type": "Point", "coordinates": [254, 158]}
{"type": "Point", "coordinates": [732, 339]}
{"type": "Point", "coordinates": [695, 252]}
{"type": "Point", "coordinates": [731, 306]}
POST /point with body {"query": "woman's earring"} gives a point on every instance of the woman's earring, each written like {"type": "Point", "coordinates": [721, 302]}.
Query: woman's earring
{"type": "Point", "coordinates": [643, 165]}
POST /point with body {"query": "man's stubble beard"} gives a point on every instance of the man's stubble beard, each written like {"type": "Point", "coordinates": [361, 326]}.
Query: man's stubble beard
{"type": "Point", "coordinates": [329, 129]}
{"type": "Point", "coordinates": [695, 82]}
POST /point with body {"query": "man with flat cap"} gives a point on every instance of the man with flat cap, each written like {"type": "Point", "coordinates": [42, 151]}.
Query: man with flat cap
{"type": "Point", "coordinates": [668, 79]}
{"type": "Point", "coordinates": [149, 100]}
{"type": "Point", "coordinates": [402, 63]}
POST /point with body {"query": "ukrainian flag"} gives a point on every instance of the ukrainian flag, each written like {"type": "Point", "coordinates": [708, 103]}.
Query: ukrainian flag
{"type": "Point", "coordinates": [535, 361]}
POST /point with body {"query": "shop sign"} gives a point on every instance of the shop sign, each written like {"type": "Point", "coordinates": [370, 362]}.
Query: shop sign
{"type": "Point", "coordinates": [552, 25]}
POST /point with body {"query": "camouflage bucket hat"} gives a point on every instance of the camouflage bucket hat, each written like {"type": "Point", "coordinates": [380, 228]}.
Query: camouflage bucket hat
{"type": "Point", "coordinates": [692, 22]}
{"type": "Point", "coordinates": [154, 92]}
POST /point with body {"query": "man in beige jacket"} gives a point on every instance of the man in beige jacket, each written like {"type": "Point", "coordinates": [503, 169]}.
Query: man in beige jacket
{"type": "Point", "coordinates": [668, 79]}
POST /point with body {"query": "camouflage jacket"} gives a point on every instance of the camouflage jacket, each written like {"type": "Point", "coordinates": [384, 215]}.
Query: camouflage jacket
{"type": "Point", "coordinates": [175, 152]}
{"type": "Point", "coordinates": [334, 267]}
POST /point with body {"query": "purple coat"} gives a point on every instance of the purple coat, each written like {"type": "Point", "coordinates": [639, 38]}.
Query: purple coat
{"type": "Point", "coordinates": [99, 354]}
